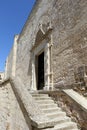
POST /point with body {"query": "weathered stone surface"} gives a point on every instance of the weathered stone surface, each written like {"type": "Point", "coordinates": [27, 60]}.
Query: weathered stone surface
{"type": "Point", "coordinates": [2, 75]}
{"type": "Point", "coordinates": [11, 115]}
{"type": "Point", "coordinates": [69, 22]}
{"type": "Point", "coordinates": [10, 67]}
{"type": "Point", "coordinates": [70, 102]}
{"type": "Point", "coordinates": [59, 28]}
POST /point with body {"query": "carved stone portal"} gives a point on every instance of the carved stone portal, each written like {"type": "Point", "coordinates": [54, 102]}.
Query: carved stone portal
{"type": "Point", "coordinates": [41, 65]}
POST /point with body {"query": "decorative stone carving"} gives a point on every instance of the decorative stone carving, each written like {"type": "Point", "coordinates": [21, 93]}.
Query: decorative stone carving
{"type": "Point", "coordinates": [43, 32]}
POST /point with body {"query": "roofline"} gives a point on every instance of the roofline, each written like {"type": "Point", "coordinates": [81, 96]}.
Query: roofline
{"type": "Point", "coordinates": [34, 9]}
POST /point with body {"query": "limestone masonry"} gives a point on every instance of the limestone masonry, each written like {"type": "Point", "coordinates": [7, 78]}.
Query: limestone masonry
{"type": "Point", "coordinates": [48, 58]}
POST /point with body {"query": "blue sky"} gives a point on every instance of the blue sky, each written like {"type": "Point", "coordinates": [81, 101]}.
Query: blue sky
{"type": "Point", "coordinates": [13, 15]}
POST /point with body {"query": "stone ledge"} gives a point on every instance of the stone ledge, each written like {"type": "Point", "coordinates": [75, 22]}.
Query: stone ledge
{"type": "Point", "coordinates": [82, 101]}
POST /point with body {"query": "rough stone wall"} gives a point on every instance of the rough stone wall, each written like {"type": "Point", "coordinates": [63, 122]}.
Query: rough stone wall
{"type": "Point", "coordinates": [69, 22]}
{"type": "Point", "coordinates": [11, 116]}
{"type": "Point", "coordinates": [72, 108]}
{"type": "Point", "coordinates": [27, 40]}
{"type": "Point", "coordinates": [9, 63]}
{"type": "Point", "coordinates": [1, 76]}
{"type": "Point", "coordinates": [11, 60]}
{"type": "Point", "coordinates": [70, 39]}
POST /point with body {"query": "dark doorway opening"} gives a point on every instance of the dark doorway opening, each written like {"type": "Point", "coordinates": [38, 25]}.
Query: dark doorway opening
{"type": "Point", "coordinates": [40, 73]}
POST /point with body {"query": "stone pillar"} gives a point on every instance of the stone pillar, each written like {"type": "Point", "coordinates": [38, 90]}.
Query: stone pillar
{"type": "Point", "coordinates": [14, 55]}
{"type": "Point", "coordinates": [51, 67]}
{"type": "Point", "coordinates": [47, 67]}
{"type": "Point", "coordinates": [33, 73]}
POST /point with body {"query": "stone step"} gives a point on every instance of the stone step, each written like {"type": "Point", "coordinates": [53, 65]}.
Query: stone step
{"type": "Point", "coordinates": [56, 114]}
{"type": "Point", "coordinates": [45, 101]}
{"type": "Point", "coordinates": [51, 110]}
{"type": "Point", "coordinates": [62, 129]}
{"type": "Point", "coordinates": [65, 126]}
{"type": "Point", "coordinates": [61, 120]}
{"type": "Point", "coordinates": [54, 122]}
{"type": "Point", "coordinates": [76, 129]}
{"type": "Point", "coordinates": [63, 123]}
{"type": "Point", "coordinates": [42, 98]}
{"type": "Point", "coordinates": [40, 95]}
{"type": "Point", "coordinates": [51, 105]}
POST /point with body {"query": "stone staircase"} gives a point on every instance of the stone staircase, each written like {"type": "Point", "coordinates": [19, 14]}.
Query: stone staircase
{"type": "Point", "coordinates": [55, 114]}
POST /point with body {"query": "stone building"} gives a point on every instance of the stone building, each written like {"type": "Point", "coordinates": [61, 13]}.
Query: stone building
{"type": "Point", "coordinates": [55, 32]}
{"type": "Point", "coordinates": [50, 53]}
